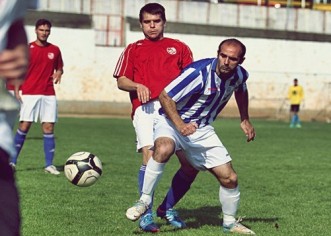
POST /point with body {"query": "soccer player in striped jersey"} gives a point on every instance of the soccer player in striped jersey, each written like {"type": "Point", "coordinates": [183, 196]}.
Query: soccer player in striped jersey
{"type": "Point", "coordinates": [295, 96]}
{"type": "Point", "coordinates": [144, 69]}
{"type": "Point", "coordinates": [191, 103]}
{"type": "Point", "coordinates": [38, 94]}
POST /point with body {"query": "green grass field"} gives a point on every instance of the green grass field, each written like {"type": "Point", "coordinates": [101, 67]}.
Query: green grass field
{"type": "Point", "coordinates": [284, 178]}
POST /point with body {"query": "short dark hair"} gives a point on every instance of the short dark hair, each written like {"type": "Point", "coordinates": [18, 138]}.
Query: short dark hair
{"type": "Point", "coordinates": [43, 22]}
{"type": "Point", "coordinates": [233, 41]}
{"type": "Point", "coordinates": [154, 9]}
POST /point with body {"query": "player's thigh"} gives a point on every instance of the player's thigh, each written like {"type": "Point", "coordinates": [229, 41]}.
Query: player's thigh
{"type": "Point", "coordinates": [165, 132]}
{"type": "Point", "coordinates": [186, 166]}
{"type": "Point", "coordinates": [204, 149]}
{"type": "Point", "coordinates": [30, 108]}
{"type": "Point", "coordinates": [143, 124]}
{"type": "Point", "coordinates": [294, 108]}
{"type": "Point", "coordinates": [48, 109]}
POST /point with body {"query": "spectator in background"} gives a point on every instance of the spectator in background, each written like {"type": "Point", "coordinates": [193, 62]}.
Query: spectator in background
{"type": "Point", "coordinates": [295, 96]}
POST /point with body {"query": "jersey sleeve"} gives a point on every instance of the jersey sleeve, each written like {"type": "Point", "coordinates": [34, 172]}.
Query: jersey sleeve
{"type": "Point", "coordinates": [124, 66]}
{"type": "Point", "coordinates": [187, 56]}
{"type": "Point", "coordinates": [242, 78]}
{"type": "Point", "coordinates": [59, 63]}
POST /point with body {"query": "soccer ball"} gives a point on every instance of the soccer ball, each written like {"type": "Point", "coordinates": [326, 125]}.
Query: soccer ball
{"type": "Point", "coordinates": [83, 169]}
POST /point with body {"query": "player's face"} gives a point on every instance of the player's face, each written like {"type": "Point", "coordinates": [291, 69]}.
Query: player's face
{"type": "Point", "coordinates": [152, 26]}
{"type": "Point", "coordinates": [42, 32]}
{"type": "Point", "coordinates": [229, 58]}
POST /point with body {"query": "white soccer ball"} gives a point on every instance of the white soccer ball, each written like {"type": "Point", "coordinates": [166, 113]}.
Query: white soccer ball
{"type": "Point", "coordinates": [83, 169]}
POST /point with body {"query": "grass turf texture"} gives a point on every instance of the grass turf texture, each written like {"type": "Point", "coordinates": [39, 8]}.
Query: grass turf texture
{"type": "Point", "coordinates": [284, 178]}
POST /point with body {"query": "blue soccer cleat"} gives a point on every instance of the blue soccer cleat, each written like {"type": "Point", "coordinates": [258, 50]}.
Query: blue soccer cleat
{"type": "Point", "coordinates": [147, 224]}
{"type": "Point", "coordinates": [171, 216]}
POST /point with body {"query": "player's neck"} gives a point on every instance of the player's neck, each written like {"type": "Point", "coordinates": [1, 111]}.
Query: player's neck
{"type": "Point", "coordinates": [154, 39]}
{"type": "Point", "coordinates": [41, 43]}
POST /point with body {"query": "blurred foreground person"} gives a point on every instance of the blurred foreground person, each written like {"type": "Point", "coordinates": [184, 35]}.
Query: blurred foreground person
{"type": "Point", "coordinates": [13, 67]}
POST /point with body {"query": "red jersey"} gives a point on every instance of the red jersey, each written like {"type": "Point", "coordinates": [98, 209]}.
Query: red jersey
{"type": "Point", "coordinates": [152, 63]}
{"type": "Point", "coordinates": [43, 62]}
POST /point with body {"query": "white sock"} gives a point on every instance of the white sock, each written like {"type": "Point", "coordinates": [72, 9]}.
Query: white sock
{"type": "Point", "coordinates": [153, 173]}
{"type": "Point", "coordinates": [229, 199]}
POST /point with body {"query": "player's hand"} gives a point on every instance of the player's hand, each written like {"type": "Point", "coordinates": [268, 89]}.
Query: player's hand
{"type": "Point", "coordinates": [18, 97]}
{"type": "Point", "coordinates": [187, 129]}
{"type": "Point", "coordinates": [57, 77]}
{"type": "Point", "coordinates": [14, 63]}
{"type": "Point", "coordinates": [143, 93]}
{"type": "Point", "coordinates": [17, 83]}
{"type": "Point", "coordinates": [248, 129]}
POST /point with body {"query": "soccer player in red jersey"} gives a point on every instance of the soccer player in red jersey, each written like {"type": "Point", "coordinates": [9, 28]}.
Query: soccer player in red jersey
{"type": "Point", "coordinates": [38, 94]}
{"type": "Point", "coordinates": [144, 69]}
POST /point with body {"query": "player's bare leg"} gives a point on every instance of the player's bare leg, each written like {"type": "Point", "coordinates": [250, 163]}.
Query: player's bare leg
{"type": "Point", "coordinates": [229, 196]}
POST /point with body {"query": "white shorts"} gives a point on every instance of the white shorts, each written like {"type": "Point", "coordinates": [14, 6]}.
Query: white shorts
{"type": "Point", "coordinates": [144, 120]}
{"type": "Point", "coordinates": [204, 150]}
{"type": "Point", "coordinates": [40, 107]}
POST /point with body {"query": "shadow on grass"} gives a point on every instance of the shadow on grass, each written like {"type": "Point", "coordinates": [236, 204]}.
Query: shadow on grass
{"type": "Point", "coordinates": [58, 167]}
{"type": "Point", "coordinates": [36, 137]}
{"type": "Point", "coordinates": [208, 215]}
{"type": "Point", "coordinates": [211, 215]}
{"type": "Point", "coordinates": [195, 218]}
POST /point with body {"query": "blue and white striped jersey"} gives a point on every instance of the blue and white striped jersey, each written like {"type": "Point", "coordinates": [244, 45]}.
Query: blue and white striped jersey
{"type": "Point", "coordinates": [199, 93]}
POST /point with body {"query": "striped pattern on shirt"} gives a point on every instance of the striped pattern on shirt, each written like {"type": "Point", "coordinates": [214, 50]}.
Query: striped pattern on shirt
{"type": "Point", "coordinates": [199, 93]}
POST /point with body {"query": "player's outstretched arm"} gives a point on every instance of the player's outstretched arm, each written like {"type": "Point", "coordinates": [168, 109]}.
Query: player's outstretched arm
{"type": "Point", "coordinates": [246, 126]}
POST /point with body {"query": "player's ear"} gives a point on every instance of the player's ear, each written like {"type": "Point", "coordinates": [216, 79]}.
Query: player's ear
{"type": "Point", "coordinates": [242, 60]}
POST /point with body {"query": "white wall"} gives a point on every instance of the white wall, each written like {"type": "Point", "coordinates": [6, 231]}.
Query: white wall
{"type": "Point", "coordinates": [272, 65]}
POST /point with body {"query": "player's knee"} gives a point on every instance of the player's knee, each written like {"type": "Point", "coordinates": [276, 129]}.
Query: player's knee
{"type": "Point", "coordinates": [24, 126]}
{"type": "Point", "coordinates": [163, 149]}
{"type": "Point", "coordinates": [230, 181]}
{"type": "Point", "coordinates": [48, 128]}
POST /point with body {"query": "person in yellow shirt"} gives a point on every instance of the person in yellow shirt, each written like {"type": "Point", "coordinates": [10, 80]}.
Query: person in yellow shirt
{"type": "Point", "coordinates": [295, 96]}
